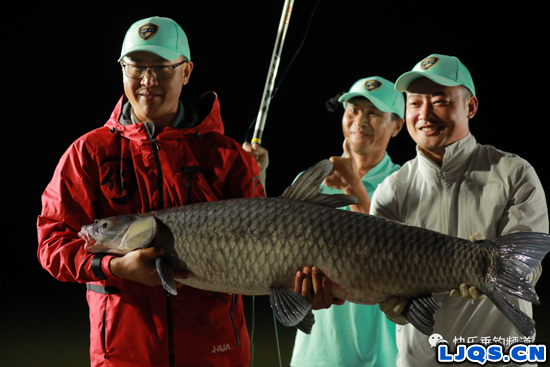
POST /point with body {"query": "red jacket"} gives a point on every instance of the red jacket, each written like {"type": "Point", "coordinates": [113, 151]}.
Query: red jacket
{"type": "Point", "coordinates": [118, 169]}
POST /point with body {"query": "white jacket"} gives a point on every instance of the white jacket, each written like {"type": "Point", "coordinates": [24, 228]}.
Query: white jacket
{"type": "Point", "coordinates": [477, 188]}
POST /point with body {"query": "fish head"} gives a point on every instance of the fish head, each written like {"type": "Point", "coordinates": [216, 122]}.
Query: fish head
{"type": "Point", "coordinates": [119, 235]}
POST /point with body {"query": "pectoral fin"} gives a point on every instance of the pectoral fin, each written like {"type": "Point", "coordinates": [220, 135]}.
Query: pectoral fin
{"type": "Point", "coordinates": [420, 313]}
{"type": "Point", "coordinates": [291, 309]}
{"type": "Point", "coordinates": [166, 275]}
{"type": "Point", "coordinates": [140, 233]}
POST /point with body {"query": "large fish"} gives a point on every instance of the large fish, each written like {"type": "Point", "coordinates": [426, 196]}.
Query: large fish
{"type": "Point", "coordinates": [255, 247]}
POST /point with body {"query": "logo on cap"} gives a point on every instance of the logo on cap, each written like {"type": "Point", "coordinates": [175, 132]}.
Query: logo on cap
{"type": "Point", "coordinates": [148, 31]}
{"type": "Point", "coordinates": [429, 63]}
{"type": "Point", "coordinates": [372, 85]}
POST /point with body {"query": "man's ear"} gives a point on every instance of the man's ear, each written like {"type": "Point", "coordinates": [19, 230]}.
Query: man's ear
{"type": "Point", "coordinates": [472, 106]}
{"type": "Point", "coordinates": [186, 70]}
{"type": "Point", "coordinates": [397, 126]}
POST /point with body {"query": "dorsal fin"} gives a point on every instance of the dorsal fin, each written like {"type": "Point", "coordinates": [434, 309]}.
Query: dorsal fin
{"type": "Point", "coordinates": [306, 188]}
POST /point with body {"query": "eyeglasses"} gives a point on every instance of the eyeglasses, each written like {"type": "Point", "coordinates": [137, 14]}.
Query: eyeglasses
{"type": "Point", "coordinates": [158, 71]}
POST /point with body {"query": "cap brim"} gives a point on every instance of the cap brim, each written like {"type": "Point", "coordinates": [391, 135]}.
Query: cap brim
{"type": "Point", "coordinates": [406, 79]}
{"type": "Point", "coordinates": [157, 50]}
{"type": "Point", "coordinates": [378, 103]}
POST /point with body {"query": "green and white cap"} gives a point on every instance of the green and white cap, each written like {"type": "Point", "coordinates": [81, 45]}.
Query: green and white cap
{"type": "Point", "coordinates": [441, 69]}
{"type": "Point", "coordinates": [380, 92]}
{"type": "Point", "coordinates": [158, 35]}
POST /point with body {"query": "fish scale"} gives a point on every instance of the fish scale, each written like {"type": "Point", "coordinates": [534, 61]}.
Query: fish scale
{"type": "Point", "coordinates": [255, 246]}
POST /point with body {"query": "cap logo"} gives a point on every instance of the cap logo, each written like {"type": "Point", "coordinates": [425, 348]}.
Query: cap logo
{"type": "Point", "coordinates": [372, 85]}
{"type": "Point", "coordinates": [429, 63]}
{"type": "Point", "coordinates": [148, 31]}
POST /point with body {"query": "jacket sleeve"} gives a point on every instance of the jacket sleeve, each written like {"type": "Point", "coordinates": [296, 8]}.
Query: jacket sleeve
{"type": "Point", "coordinates": [526, 210]}
{"type": "Point", "coordinates": [243, 176]}
{"type": "Point", "coordinates": [67, 204]}
{"type": "Point", "coordinates": [384, 201]}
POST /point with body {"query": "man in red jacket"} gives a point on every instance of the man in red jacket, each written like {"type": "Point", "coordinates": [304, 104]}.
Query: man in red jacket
{"type": "Point", "coordinates": [154, 152]}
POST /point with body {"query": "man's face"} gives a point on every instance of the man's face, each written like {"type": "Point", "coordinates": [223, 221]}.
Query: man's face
{"type": "Point", "coordinates": [437, 116]}
{"type": "Point", "coordinates": [155, 99]}
{"type": "Point", "coordinates": [368, 128]}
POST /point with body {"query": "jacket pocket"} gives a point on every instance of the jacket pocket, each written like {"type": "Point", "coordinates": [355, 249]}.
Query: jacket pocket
{"type": "Point", "coordinates": [98, 300]}
{"type": "Point", "coordinates": [193, 174]}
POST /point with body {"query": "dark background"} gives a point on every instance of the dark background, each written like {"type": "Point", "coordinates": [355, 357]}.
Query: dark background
{"type": "Point", "coordinates": [61, 80]}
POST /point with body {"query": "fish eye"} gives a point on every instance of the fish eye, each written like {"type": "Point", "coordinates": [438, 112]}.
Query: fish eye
{"type": "Point", "coordinates": [100, 228]}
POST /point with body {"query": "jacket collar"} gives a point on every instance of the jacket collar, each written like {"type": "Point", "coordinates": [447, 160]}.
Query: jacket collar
{"type": "Point", "coordinates": [201, 117]}
{"type": "Point", "coordinates": [454, 160]}
{"type": "Point", "coordinates": [380, 171]}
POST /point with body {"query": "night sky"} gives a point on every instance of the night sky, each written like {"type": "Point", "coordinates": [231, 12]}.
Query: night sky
{"type": "Point", "coordinates": [64, 80]}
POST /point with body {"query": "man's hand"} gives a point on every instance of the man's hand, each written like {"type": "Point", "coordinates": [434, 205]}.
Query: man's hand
{"type": "Point", "coordinates": [345, 176]}
{"type": "Point", "coordinates": [321, 294]}
{"type": "Point", "coordinates": [393, 307]}
{"type": "Point", "coordinates": [467, 292]}
{"type": "Point", "coordinates": [259, 153]}
{"type": "Point", "coordinates": [139, 266]}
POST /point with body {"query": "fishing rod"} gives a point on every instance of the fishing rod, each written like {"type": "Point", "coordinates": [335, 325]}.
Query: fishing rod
{"type": "Point", "coordinates": [272, 71]}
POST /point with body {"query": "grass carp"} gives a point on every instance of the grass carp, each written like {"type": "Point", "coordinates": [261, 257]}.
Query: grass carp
{"type": "Point", "coordinates": [255, 246]}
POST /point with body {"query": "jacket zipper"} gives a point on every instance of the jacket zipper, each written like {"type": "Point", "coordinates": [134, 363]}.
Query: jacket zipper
{"type": "Point", "coordinates": [189, 171]}
{"type": "Point", "coordinates": [156, 149]}
{"type": "Point", "coordinates": [104, 330]}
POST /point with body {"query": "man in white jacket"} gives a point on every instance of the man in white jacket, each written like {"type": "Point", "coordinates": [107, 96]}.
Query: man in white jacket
{"type": "Point", "coordinates": [457, 187]}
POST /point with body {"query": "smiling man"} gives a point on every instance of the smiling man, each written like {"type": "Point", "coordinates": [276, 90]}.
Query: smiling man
{"type": "Point", "coordinates": [457, 187]}
{"type": "Point", "coordinates": [352, 334]}
{"type": "Point", "coordinates": [155, 151]}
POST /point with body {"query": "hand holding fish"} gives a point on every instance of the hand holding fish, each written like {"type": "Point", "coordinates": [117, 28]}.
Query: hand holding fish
{"type": "Point", "coordinates": [345, 176]}
{"type": "Point", "coordinates": [139, 266]}
{"type": "Point", "coordinates": [321, 294]}
{"type": "Point", "coordinates": [393, 308]}
{"type": "Point", "coordinates": [467, 292]}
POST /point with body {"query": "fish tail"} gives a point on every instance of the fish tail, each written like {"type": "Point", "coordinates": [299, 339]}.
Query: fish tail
{"type": "Point", "coordinates": [518, 254]}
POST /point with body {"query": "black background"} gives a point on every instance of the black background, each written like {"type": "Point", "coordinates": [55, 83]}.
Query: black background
{"type": "Point", "coordinates": [61, 80]}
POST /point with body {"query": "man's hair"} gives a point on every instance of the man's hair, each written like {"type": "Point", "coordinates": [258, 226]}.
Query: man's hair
{"type": "Point", "coordinates": [466, 94]}
{"type": "Point", "coordinates": [394, 116]}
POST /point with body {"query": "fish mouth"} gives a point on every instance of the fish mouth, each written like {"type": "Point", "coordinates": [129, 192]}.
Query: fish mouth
{"type": "Point", "coordinates": [89, 240]}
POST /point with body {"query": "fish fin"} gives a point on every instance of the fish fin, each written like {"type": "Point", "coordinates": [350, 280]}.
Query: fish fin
{"type": "Point", "coordinates": [420, 313]}
{"type": "Point", "coordinates": [306, 188]}
{"type": "Point", "coordinates": [307, 323]}
{"type": "Point", "coordinates": [518, 254]}
{"type": "Point", "coordinates": [166, 275]}
{"type": "Point", "coordinates": [291, 309]}
{"type": "Point", "coordinates": [141, 233]}
{"type": "Point", "coordinates": [524, 323]}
